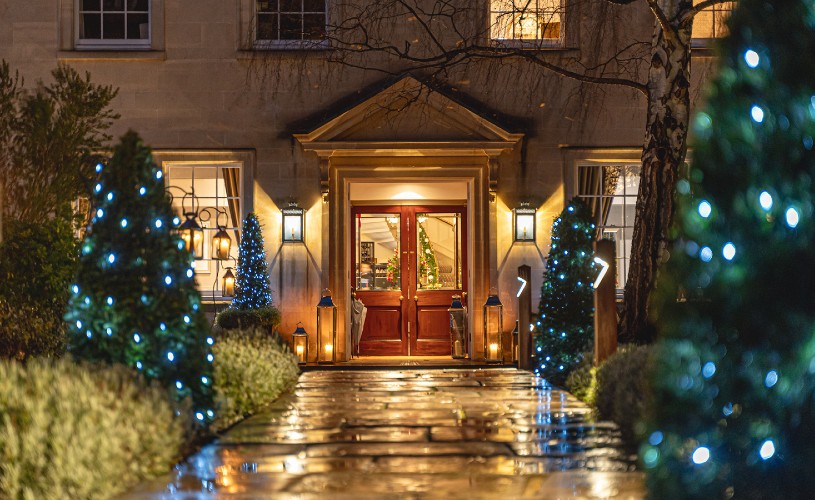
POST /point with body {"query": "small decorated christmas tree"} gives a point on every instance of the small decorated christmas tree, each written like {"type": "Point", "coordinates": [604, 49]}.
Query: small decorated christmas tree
{"type": "Point", "coordinates": [566, 312]}
{"type": "Point", "coordinates": [134, 301]}
{"type": "Point", "coordinates": [428, 266]}
{"type": "Point", "coordinates": [733, 406]}
{"type": "Point", "coordinates": [252, 289]}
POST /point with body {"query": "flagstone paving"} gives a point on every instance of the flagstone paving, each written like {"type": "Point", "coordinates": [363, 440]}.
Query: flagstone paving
{"type": "Point", "coordinates": [413, 433]}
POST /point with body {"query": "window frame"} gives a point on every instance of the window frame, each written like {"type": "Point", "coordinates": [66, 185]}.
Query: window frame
{"type": "Point", "coordinates": [528, 43]}
{"type": "Point", "coordinates": [707, 42]}
{"type": "Point", "coordinates": [113, 43]}
{"type": "Point", "coordinates": [288, 44]}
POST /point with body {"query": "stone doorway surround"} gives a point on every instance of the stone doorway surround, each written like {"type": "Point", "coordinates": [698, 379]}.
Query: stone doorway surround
{"type": "Point", "coordinates": [408, 133]}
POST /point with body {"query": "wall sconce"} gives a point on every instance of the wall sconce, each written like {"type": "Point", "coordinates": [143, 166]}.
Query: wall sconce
{"type": "Point", "coordinates": [294, 221]}
{"type": "Point", "coordinates": [228, 285]}
{"type": "Point", "coordinates": [524, 222]}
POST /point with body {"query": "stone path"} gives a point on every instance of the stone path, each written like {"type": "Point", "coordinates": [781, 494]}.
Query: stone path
{"type": "Point", "coordinates": [457, 433]}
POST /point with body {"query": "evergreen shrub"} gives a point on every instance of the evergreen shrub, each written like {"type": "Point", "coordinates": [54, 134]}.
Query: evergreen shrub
{"type": "Point", "coordinates": [582, 381]}
{"type": "Point", "coordinates": [252, 369]}
{"type": "Point", "coordinates": [241, 319]}
{"type": "Point", "coordinates": [621, 389]}
{"type": "Point", "coordinates": [76, 431]}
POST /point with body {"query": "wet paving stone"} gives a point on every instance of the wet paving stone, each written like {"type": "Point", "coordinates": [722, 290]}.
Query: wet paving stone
{"type": "Point", "coordinates": [412, 433]}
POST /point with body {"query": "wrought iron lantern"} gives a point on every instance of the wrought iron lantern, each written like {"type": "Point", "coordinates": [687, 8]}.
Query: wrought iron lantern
{"type": "Point", "coordinates": [458, 328]}
{"type": "Point", "coordinates": [294, 221]}
{"type": "Point", "coordinates": [299, 342]}
{"type": "Point", "coordinates": [524, 222]}
{"type": "Point", "coordinates": [493, 321]}
{"type": "Point", "coordinates": [326, 329]}
{"type": "Point", "coordinates": [221, 244]}
{"type": "Point", "coordinates": [192, 234]}
{"type": "Point", "coordinates": [228, 285]}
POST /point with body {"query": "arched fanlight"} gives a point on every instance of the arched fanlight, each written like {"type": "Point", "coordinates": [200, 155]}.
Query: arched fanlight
{"type": "Point", "coordinates": [228, 286]}
{"type": "Point", "coordinates": [221, 244]}
{"type": "Point", "coordinates": [192, 234]}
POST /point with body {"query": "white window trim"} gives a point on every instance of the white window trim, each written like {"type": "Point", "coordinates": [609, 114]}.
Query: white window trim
{"type": "Point", "coordinates": [529, 43]}
{"type": "Point", "coordinates": [114, 44]}
{"type": "Point", "coordinates": [246, 160]}
{"type": "Point", "coordinates": [310, 44]}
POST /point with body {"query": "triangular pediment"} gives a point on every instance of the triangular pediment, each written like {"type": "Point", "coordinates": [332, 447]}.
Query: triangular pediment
{"type": "Point", "coordinates": [408, 114]}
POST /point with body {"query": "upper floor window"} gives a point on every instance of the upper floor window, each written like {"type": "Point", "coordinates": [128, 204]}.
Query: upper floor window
{"type": "Point", "coordinates": [290, 22]}
{"type": "Point", "coordinates": [114, 23]}
{"type": "Point", "coordinates": [526, 21]}
{"type": "Point", "coordinates": [711, 22]}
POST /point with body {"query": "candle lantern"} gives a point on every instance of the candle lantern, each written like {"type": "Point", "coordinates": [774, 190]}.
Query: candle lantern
{"type": "Point", "coordinates": [326, 328]}
{"type": "Point", "coordinates": [299, 342]}
{"type": "Point", "coordinates": [221, 244]}
{"type": "Point", "coordinates": [493, 321]}
{"type": "Point", "coordinates": [458, 328]}
{"type": "Point", "coordinates": [293, 224]}
{"type": "Point", "coordinates": [524, 223]}
{"type": "Point", "coordinates": [228, 288]}
{"type": "Point", "coordinates": [193, 236]}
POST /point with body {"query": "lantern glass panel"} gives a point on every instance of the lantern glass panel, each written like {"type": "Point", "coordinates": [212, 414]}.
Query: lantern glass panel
{"type": "Point", "coordinates": [293, 225]}
{"type": "Point", "coordinates": [326, 329]}
{"type": "Point", "coordinates": [228, 286]}
{"type": "Point", "coordinates": [221, 244]}
{"type": "Point", "coordinates": [193, 236]}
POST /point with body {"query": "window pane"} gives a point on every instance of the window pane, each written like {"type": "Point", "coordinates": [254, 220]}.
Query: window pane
{"type": "Point", "coordinates": [267, 27]}
{"type": "Point", "coordinates": [291, 6]}
{"type": "Point", "coordinates": [90, 26]}
{"type": "Point", "coordinates": [138, 5]}
{"type": "Point", "coordinates": [113, 5]}
{"type": "Point", "coordinates": [313, 5]}
{"type": "Point", "coordinates": [377, 252]}
{"type": "Point", "coordinates": [114, 26]}
{"type": "Point", "coordinates": [267, 6]}
{"type": "Point", "coordinates": [90, 5]}
{"type": "Point", "coordinates": [438, 251]}
{"type": "Point", "coordinates": [138, 26]}
{"type": "Point", "coordinates": [314, 26]}
{"type": "Point", "coordinates": [291, 27]}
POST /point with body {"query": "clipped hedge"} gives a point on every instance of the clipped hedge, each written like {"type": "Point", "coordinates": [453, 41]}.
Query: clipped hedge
{"type": "Point", "coordinates": [582, 381]}
{"type": "Point", "coordinates": [246, 319]}
{"type": "Point", "coordinates": [621, 389]}
{"type": "Point", "coordinates": [73, 431]}
{"type": "Point", "coordinates": [251, 370]}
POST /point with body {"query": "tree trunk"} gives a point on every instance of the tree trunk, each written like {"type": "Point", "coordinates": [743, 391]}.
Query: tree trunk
{"type": "Point", "coordinates": [663, 153]}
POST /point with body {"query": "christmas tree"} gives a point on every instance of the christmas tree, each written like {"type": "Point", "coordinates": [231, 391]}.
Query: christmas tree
{"type": "Point", "coordinates": [733, 407]}
{"type": "Point", "coordinates": [252, 286]}
{"type": "Point", "coordinates": [566, 312]}
{"type": "Point", "coordinates": [428, 266]}
{"type": "Point", "coordinates": [134, 301]}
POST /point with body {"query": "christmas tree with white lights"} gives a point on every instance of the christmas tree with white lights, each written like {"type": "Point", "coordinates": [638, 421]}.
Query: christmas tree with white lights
{"type": "Point", "coordinates": [134, 301]}
{"type": "Point", "coordinates": [252, 290]}
{"type": "Point", "coordinates": [733, 406]}
{"type": "Point", "coordinates": [565, 325]}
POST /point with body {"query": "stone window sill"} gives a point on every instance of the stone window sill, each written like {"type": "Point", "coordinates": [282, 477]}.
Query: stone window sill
{"type": "Point", "coordinates": [111, 55]}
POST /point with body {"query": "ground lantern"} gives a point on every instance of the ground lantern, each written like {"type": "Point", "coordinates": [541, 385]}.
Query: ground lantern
{"type": "Point", "coordinates": [326, 328]}
{"type": "Point", "coordinates": [493, 321]}
{"type": "Point", "coordinates": [299, 342]}
{"type": "Point", "coordinates": [458, 328]}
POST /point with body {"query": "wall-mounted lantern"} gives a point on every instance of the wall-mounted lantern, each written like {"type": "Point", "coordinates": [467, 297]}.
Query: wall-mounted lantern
{"type": "Point", "coordinates": [458, 328]}
{"type": "Point", "coordinates": [493, 323]}
{"type": "Point", "coordinates": [228, 285]}
{"type": "Point", "coordinates": [326, 328]}
{"type": "Point", "coordinates": [221, 243]}
{"type": "Point", "coordinates": [294, 220]}
{"type": "Point", "coordinates": [524, 222]}
{"type": "Point", "coordinates": [299, 342]}
{"type": "Point", "coordinates": [192, 234]}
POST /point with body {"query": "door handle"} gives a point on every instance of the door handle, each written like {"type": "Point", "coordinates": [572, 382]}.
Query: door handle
{"type": "Point", "coordinates": [401, 298]}
{"type": "Point", "coordinates": [464, 295]}
{"type": "Point", "coordinates": [416, 298]}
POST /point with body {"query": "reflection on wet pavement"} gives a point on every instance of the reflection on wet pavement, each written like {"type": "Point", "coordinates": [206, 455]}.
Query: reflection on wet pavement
{"type": "Point", "coordinates": [459, 433]}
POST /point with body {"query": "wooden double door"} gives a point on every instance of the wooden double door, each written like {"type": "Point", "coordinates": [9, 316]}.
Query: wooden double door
{"type": "Point", "coordinates": [409, 261]}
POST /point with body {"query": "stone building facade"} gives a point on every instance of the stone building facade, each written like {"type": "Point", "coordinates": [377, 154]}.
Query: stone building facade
{"type": "Point", "coordinates": [239, 108]}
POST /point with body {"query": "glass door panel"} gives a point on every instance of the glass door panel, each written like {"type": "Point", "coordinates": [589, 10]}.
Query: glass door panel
{"type": "Point", "coordinates": [438, 251]}
{"type": "Point", "coordinates": [377, 252]}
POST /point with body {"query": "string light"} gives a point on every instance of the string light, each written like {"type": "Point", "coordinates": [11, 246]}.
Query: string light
{"type": "Point", "coordinates": [757, 114]}
{"type": "Point", "coordinates": [751, 58]}
{"type": "Point", "coordinates": [765, 199]}
{"type": "Point", "coordinates": [767, 450]}
{"type": "Point", "coordinates": [701, 455]}
{"type": "Point", "coordinates": [792, 217]}
{"type": "Point", "coordinates": [705, 209]}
